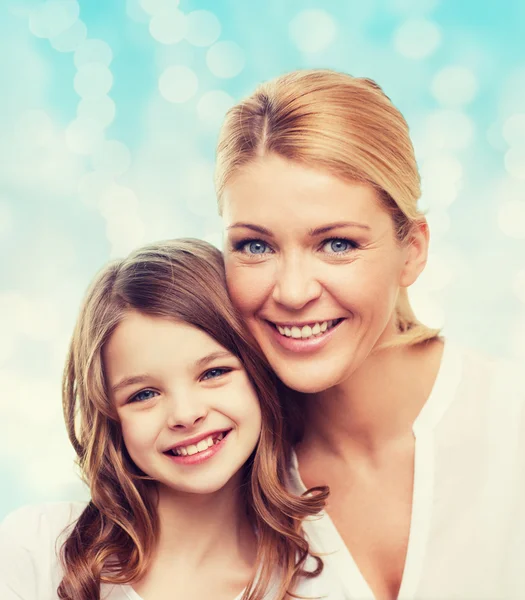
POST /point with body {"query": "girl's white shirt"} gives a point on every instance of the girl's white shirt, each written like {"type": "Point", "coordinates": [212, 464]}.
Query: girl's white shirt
{"type": "Point", "coordinates": [30, 542]}
{"type": "Point", "coordinates": [467, 532]}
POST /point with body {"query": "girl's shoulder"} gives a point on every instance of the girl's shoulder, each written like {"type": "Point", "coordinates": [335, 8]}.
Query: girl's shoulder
{"type": "Point", "coordinates": [30, 541]}
{"type": "Point", "coordinates": [34, 524]}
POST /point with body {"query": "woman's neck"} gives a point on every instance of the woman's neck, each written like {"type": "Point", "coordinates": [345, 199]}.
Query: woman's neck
{"type": "Point", "coordinates": [376, 405]}
{"type": "Point", "coordinates": [195, 527]}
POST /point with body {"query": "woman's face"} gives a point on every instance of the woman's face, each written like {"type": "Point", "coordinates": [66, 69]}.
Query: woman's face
{"type": "Point", "coordinates": [189, 415]}
{"type": "Point", "coordinates": [314, 266]}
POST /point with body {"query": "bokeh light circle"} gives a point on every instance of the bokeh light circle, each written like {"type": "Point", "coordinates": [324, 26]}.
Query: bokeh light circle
{"type": "Point", "coordinates": [93, 51]}
{"type": "Point", "coordinates": [101, 110]}
{"type": "Point", "coordinates": [93, 80]}
{"type": "Point", "coordinates": [417, 38]}
{"type": "Point", "coordinates": [454, 86]}
{"type": "Point", "coordinates": [178, 84]}
{"type": "Point", "coordinates": [203, 28]}
{"type": "Point", "coordinates": [225, 59]}
{"type": "Point", "coordinates": [213, 105]}
{"type": "Point", "coordinates": [112, 157]}
{"type": "Point", "coordinates": [511, 219]}
{"type": "Point", "coordinates": [169, 27]}
{"type": "Point", "coordinates": [312, 30]}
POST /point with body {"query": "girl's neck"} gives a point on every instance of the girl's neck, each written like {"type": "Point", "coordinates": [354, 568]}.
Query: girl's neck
{"type": "Point", "coordinates": [194, 527]}
{"type": "Point", "coordinates": [376, 405]}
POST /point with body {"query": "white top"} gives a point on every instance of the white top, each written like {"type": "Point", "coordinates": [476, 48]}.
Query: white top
{"type": "Point", "coordinates": [467, 532]}
{"type": "Point", "coordinates": [30, 570]}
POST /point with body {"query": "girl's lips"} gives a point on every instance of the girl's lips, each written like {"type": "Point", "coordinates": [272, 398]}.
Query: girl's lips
{"type": "Point", "coordinates": [199, 457]}
{"type": "Point", "coordinates": [300, 345]}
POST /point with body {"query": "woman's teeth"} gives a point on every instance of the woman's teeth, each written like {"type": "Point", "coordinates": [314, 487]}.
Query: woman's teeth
{"type": "Point", "coordinates": [200, 447]}
{"type": "Point", "coordinates": [308, 331]}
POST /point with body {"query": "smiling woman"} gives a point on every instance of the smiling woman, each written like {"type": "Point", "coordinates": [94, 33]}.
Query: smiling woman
{"type": "Point", "coordinates": [175, 419]}
{"type": "Point", "coordinates": [421, 443]}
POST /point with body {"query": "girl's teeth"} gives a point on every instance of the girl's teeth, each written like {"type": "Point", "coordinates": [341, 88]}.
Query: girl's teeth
{"type": "Point", "coordinates": [200, 447]}
{"type": "Point", "coordinates": [307, 331]}
{"type": "Point", "coordinates": [192, 449]}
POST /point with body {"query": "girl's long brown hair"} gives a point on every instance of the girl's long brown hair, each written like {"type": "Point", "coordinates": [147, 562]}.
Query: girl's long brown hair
{"type": "Point", "coordinates": [114, 538]}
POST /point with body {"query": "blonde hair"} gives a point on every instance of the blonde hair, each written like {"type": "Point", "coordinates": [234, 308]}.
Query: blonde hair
{"type": "Point", "coordinates": [114, 539]}
{"type": "Point", "coordinates": [341, 124]}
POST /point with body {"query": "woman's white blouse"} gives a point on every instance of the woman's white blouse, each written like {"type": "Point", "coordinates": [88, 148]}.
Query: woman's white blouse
{"type": "Point", "coordinates": [467, 532]}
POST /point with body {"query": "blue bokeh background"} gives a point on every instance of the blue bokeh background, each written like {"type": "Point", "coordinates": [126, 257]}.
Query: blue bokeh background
{"type": "Point", "coordinates": [109, 114]}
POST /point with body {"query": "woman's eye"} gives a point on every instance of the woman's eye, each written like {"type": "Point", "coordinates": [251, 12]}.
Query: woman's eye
{"type": "Point", "coordinates": [253, 247]}
{"type": "Point", "coordinates": [215, 373]}
{"type": "Point", "coordinates": [338, 245]}
{"type": "Point", "coordinates": [143, 396]}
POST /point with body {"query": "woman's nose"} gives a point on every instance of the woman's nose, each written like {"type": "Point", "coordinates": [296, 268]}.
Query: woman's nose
{"type": "Point", "coordinates": [295, 284]}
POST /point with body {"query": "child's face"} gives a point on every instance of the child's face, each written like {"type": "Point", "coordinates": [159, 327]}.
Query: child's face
{"type": "Point", "coordinates": [190, 417]}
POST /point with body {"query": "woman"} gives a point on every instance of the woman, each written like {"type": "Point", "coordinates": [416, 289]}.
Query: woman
{"type": "Point", "coordinates": [420, 443]}
{"type": "Point", "coordinates": [178, 431]}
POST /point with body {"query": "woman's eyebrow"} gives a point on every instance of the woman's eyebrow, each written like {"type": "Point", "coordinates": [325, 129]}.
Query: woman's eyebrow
{"type": "Point", "coordinates": [256, 228]}
{"type": "Point", "coordinates": [338, 225]}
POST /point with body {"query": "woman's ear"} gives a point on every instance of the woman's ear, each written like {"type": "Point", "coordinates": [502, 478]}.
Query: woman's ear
{"type": "Point", "coordinates": [416, 252]}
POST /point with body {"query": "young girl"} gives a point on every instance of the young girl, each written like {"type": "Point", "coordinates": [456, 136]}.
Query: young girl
{"type": "Point", "coordinates": [179, 434]}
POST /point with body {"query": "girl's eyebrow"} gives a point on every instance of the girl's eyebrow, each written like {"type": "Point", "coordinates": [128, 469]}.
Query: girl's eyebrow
{"type": "Point", "coordinates": [213, 356]}
{"type": "Point", "coordinates": [202, 362]}
{"type": "Point", "coordinates": [127, 381]}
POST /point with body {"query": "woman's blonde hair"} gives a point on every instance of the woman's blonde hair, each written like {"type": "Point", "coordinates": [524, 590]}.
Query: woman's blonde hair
{"type": "Point", "coordinates": [114, 538]}
{"type": "Point", "coordinates": [344, 125]}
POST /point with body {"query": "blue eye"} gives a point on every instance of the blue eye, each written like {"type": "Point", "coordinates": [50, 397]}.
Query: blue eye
{"type": "Point", "coordinates": [143, 396]}
{"type": "Point", "coordinates": [215, 373]}
{"type": "Point", "coordinates": [253, 247]}
{"type": "Point", "coordinates": [338, 245]}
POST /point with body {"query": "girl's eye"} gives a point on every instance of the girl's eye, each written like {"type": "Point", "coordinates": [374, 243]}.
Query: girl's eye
{"type": "Point", "coordinates": [143, 396]}
{"type": "Point", "coordinates": [253, 247]}
{"type": "Point", "coordinates": [215, 373]}
{"type": "Point", "coordinates": [338, 245]}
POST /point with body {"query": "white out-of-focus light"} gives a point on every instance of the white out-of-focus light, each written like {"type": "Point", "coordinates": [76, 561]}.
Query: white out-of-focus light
{"type": "Point", "coordinates": [70, 39]}
{"type": "Point", "coordinates": [225, 59]}
{"type": "Point", "coordinates": [178, 84]}
{"type": "Point", "coordinates": [449, 130]}
{"type": "Point", "coordinates": [213, 105]}
{"type": "Point", "coordinates": [93, 51]}
{"type": "Point", "coordinates": [158, 7]}
{"type": "Point", "coordinates": [417, 38]}
{"type": "Point", "coordinates": [93, 80]}
{"type": "Point", "coordinates": [83, 136]}
{"type": "Point", "coordinates": [101, 110]}
{"type": "Point", "coordinates": [312, 30]}
{"type": "Point", "coordinates": [515, 162]}
{"type": "Point", "coordinates": [511, 219]}
{"type": "Point", "coordinates": [203, 28]}
{"type": "Point", "coordinates": [454, 86]}
{"type": "Point", "coordinates": [514, 130]}
{"type": "Point", "coordinates": [169, 27]}
{"type": "Point", "coordinates": [112, 157]}
{"type": "Point", "coordinates": [518, 285]}
{"type": "Point", "coordinates": [52, 17]}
